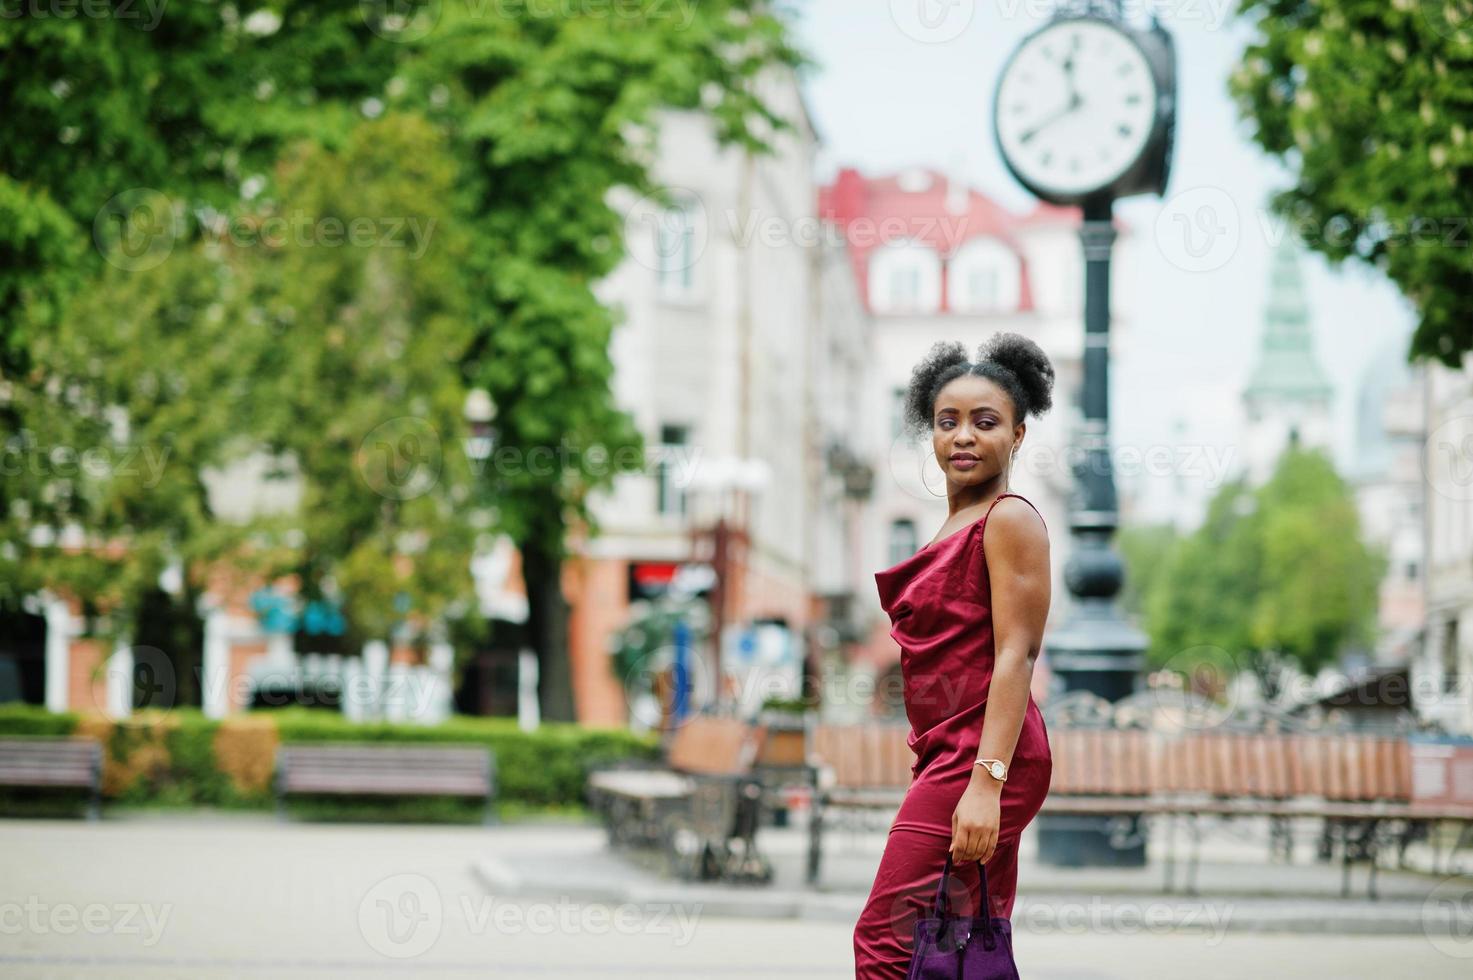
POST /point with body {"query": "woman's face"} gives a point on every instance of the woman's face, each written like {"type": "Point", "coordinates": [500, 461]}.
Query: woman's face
{"type": "Point", "coordinates": [972, 430]}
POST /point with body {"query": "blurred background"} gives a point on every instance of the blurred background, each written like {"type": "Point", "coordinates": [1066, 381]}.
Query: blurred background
{"type": "Point", "coordinates": [527, 376]}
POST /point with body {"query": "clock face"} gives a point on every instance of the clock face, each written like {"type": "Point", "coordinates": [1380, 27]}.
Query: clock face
{"type": "Point", "coordinates": [1075, 107]}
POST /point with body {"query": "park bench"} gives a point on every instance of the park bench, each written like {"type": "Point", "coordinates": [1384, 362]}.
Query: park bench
{"type": "Point", "coordinates": [700, 809]}
{"type": "Point", "coordinates": [859, 769]}
{"type": "Point", "coordinates": [1118, 762]}
{"type": "Point", "coordinates": [353, 768]}
{"type": "Point", "coordinates": [52, 762]}
{"type": "Point", "coordinates": [1358, 784]}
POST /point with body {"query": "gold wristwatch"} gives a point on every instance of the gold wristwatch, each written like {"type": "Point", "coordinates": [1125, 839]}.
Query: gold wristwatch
{"type": "Point", "coordinates": [996, 768]}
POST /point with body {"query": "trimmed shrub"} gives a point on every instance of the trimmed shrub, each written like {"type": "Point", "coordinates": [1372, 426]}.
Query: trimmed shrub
{"type": "Point", "coordinates": [181, 758]}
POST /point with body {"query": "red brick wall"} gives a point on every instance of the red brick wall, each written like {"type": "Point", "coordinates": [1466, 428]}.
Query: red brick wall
{"type": "Point", "coordinates": [84, 692]}
{"type": "Point", "coordinates": [597, 593]}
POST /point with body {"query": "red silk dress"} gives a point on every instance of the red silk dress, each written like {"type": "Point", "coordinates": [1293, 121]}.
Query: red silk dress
{"type": "Point", "coordinates": [939, 602]}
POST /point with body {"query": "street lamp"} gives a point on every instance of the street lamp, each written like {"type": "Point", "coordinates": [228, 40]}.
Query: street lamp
{"type": "Point", "coordinates": [480, 413]}
{"type": "Point", "coordinates": [1083, 66]}
{"type": "Point", "coordinates": [728, 544]}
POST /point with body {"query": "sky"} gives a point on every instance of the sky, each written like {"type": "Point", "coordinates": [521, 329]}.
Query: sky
{"type": "Point", "coordinates": [903, 83]}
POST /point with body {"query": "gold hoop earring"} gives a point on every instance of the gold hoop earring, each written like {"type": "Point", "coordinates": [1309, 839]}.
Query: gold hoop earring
{"type": "Point", "coordinates": [923, 480]}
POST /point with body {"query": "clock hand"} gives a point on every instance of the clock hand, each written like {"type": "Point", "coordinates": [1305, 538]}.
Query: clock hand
{"type": "Point", "coordinates": [1074, 103]}
{"type": "Point", "coordinates": [1074, 99]}
{"type": "Point", "coordinates": [1069, 74]}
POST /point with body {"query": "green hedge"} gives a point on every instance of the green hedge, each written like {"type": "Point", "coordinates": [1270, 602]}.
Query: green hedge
{"type": "Point", "coordinates": [548, 767]}
{"type": "Point", "coordinates": [169, 759]}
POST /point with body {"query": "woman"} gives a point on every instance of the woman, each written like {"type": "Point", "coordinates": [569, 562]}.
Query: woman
{"type": "Point", "coordinates": [969, 622]}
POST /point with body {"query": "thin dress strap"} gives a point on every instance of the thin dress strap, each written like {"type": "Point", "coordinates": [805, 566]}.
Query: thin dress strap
{"type": "Point", "coordinates": [1009, 493]}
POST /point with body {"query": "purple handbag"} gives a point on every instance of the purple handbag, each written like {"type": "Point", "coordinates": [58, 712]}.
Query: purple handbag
{"type": "Point", "coordinates": [949, 947]}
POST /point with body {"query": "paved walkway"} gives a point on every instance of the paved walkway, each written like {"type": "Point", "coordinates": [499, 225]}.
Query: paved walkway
{"type": "Point", "coordinates": [1238, 889]}
{"type": "Point", "coordinates": [219, 895]}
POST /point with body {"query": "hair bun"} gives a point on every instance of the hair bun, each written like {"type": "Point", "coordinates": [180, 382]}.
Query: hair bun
{"type": "Point", "coordinates": [1027, 361]}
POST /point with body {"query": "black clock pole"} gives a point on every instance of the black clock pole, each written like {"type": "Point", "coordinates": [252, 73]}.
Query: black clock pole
{"type": "Point", "coordinates": [1095, 649]}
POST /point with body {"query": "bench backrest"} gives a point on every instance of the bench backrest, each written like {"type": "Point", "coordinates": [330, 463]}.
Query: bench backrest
{"type": "Point", "coordinates": [1344, 766]}
{"type": "Point", "coordinates": [340, 763]}
{"type": "Point", "coordinates": [863, 756]}
{"type": "Point", "coordinates": [708, 745]}
{"type": "Point", "coordinates": [46, 760]}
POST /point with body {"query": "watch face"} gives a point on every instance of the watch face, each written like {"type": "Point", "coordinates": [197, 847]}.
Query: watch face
{"type": "Point", "coordinates": [998, 770]}
{"type": "Point", "coordinates": [1075, 107]}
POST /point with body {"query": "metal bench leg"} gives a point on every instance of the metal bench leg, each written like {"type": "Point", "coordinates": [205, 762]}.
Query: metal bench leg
{"type": "Point", "coordinates": [815, 838]}
{"type": "Point", "coordinates": [1280, 839]}
{"type": "Point", "coordinates": [1196, 861]}
{"type": "Point", "coordinates": [1371, 849]}
{"type": "Point", "coordinates": [1170, 849]}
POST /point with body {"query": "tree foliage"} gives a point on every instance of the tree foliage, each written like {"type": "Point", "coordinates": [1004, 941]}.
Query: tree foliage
{"type": "Point", "coordinates": [1370, 103]}
{"type": "Point", "coordinates": [129, 145]}
{"type": "Point", "coordinates": [1275, 573]}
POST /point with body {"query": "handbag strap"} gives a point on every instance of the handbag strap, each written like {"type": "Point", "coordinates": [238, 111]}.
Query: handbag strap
{"type": "Point", "coordinates": [942, 906]}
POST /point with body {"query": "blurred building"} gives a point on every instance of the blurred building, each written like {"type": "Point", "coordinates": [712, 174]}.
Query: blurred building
{"type": "Point", "coordinates": [1442, 680]}
{"type": "Point", "coordinates": [935, 260]}
{"type": "Point", "coordinates": [1385, 473]}
{"type": "Point", "coordinates": [741, 355]}
{"type": "Point", "coordinates": [1287, 398]}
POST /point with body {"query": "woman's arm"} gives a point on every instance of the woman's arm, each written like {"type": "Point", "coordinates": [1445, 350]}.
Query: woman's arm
{"type": "Point", "coordinates": [1017, 549]}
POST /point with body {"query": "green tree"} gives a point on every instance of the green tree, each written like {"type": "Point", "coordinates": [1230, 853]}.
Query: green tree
{"type": "Point", "coordinates": [1370, 103]}
{"type": "Point", "coordinates": [125, 133]}
{"type": "Point", "coordinates": [549, 114]}
{"type": "Point", "coordinates": [126, 140]}
{"type": "Point", "coordinates": [359, 326]}
{"type": "Point", "coordinates": [1318, 591]}
{"type": "Point", "coordinates": [1146, 551]}
{"type": "Point", "coordinates": [1202, 601]}
{"type": "Point", "coordinates": [130, 398]}
{"type": "Point", "coordinates": [104, 114]}
{"type": "Point", "coordinates": [1276, 574]}
{"type": "Point", "coordinates": [323, 329]}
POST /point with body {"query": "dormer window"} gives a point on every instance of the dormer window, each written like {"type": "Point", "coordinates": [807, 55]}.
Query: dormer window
{"type": "Point", "coordinates": [905, 277]}
{"type": "Point", "coordinates": [984, 277]}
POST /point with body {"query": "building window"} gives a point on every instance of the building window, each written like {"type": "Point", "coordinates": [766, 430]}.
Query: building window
{"type": "Point", "coordinates": [905, 277]}
{"type": "Point", "coordinates": [670, 495]}
{"type": "Point", "coordinates": [675, 250]}
{"type": "Point", "coordinates": [903, 541]}
{"type": "Point", "coordinates": [905, 287]}
{"type": "Point", "coordinates": [985, 276]}
{"type": "Point", "coordinates": [982, 285]}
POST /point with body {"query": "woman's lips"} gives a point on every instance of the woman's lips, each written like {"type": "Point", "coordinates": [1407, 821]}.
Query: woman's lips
{"type": "Point", "coordinates": [964, 462]}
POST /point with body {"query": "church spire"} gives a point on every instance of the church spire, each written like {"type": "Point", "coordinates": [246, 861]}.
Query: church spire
{"type": "Point", "coordinates": [1287, 370]}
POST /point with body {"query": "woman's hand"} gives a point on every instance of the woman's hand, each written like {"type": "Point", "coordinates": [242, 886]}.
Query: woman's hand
{"type": "Point", "coordinates": [975, 822]}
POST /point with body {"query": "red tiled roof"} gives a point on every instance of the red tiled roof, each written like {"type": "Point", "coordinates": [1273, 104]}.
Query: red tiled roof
{"type": "Point", "coordinates": [874, 211]}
